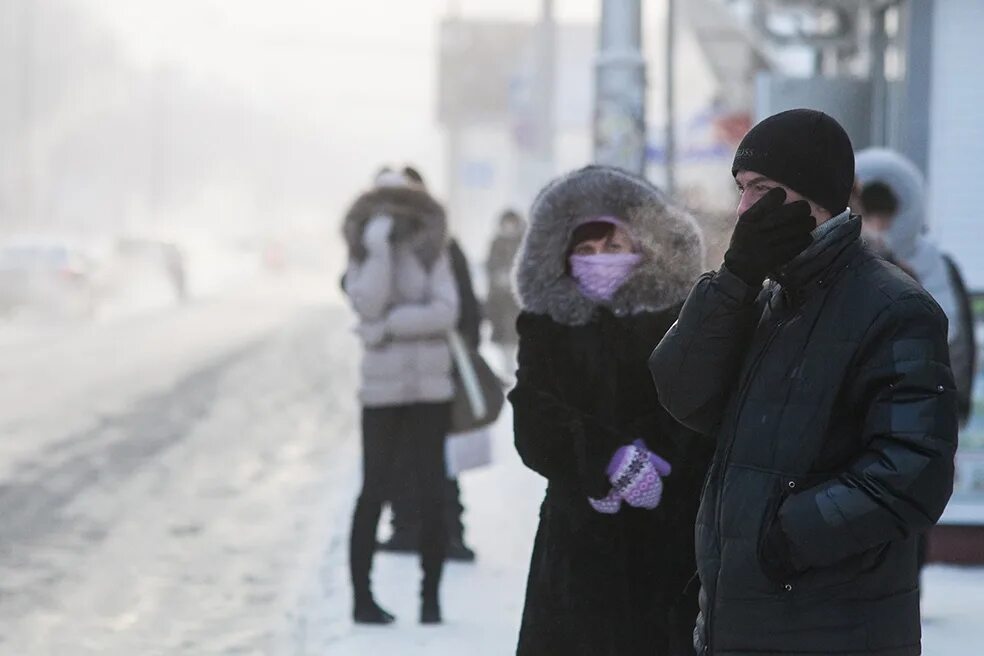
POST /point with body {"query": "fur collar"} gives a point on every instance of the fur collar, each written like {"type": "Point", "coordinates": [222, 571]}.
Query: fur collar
{"type": "Point", "coordinates": [671, 245]}
{"type": "Point", "coordinates": [418, 221]}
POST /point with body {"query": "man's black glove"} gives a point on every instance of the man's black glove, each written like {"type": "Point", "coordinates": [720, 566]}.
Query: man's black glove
{"type": "Point", "coordinates": [768, 235]}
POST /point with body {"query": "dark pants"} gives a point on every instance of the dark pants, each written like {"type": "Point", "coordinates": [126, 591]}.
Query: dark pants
{"type": "Point", "coordinates": [406, 513]}
{"type": "Point", "coordinates": [400, 441]}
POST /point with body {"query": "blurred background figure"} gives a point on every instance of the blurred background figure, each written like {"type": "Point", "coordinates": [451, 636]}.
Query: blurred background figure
{"type": "Point", "coordinates": [893, 206]}
{"type": "Point", "coordinates": [406, 511]}
{"type": "Point", "coordinates": [500, 304]}
{"type": "Point", "coordinates": [174, 262]}
{"type": "Point", "coordinates": [401, 285]}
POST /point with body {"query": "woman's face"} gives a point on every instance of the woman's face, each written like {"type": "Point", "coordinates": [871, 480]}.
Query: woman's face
{"type": "Point", "coordinates": [618, 241]}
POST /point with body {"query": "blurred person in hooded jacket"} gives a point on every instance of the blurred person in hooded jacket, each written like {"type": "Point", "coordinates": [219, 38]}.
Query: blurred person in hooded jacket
{"type": "Point", "coordinates": [893, 205]}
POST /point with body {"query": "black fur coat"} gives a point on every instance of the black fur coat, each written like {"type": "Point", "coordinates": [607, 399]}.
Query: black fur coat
{"type": "Point", "coordinates": [604, 584]}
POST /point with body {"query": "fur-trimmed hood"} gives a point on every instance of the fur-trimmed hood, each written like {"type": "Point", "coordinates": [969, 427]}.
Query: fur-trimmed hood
{"type": "Point", "coordinates": [670, 242]}
{"type": "Point", "coordinates": [907, 183]}
{"type": "Point", "coordinates": [418, 221]}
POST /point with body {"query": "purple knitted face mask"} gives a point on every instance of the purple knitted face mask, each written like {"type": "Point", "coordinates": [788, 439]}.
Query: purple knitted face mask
{"type": "Point", "coordinates": [600, 276]}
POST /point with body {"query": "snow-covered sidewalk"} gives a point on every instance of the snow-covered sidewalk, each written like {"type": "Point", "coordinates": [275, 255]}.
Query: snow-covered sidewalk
{"type": "Point", "coordinates": [483, 602]}
{"type": "Point", "coordinates": [953, 608]}
{"type": "Point", "coordinates": [200, 503]}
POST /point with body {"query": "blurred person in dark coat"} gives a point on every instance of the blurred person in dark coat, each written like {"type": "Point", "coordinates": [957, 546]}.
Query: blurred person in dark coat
{"type": "Point", "coordinates": [501, 305]}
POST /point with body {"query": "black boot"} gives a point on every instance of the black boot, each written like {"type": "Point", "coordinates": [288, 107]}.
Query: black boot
{"type": "Point", "coordinates": [430, 608]}
{"type": "Point", "coordinates": [459, 551]}
{"type": "Point", "coordinates": [367, 611]}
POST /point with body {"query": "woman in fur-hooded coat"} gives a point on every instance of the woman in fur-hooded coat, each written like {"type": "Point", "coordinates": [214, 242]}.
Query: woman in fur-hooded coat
{"type": "Point", "coordinates": [610, 574]}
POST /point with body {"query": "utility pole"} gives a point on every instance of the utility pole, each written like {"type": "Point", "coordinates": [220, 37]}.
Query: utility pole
{"type": "Point", "coordinates": [26, 204]}
{"type": "Point", "coordinates": [535, 107]}
{"type": "Point", "coordinates": [535, 165]}
{"type": "Point", "coordinates": [543, 92]}
{"type": "Point", "coordinates": [453, 143]}
{"type": "Point", "coordinates": [620, 88]}
{"type": "Point", "coordinates": [670, 153]}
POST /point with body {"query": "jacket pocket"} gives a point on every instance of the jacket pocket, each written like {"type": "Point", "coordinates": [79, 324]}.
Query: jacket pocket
{"type": "Point", "coordinates": [772, 548]}
{"type": "Point", "coordinates": [824, 581]}
{"type": "Point", "coordinates": [843, 576]}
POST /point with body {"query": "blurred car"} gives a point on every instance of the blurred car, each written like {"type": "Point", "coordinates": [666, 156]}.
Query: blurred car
{"type": "Point", "coordinates": [46, 277]}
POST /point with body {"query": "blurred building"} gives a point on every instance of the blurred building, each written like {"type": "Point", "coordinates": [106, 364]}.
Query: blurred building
{"type": "Point", "coordinates": [501, 148]}
{"type": "Point", "coordinates": [903, 74]}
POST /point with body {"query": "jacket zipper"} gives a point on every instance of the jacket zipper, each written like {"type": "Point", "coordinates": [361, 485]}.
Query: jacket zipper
{"type": "Point", "coordinates": [724, 468]}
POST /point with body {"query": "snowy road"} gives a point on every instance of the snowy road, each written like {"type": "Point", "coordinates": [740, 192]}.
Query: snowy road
{"type": "Point", "coordinates": [163, 480]}
{"type": "Point", "coordinates": [181, 484]}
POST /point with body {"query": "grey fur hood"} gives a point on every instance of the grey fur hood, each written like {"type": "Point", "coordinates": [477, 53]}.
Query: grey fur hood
{"type": "Point", "coordinates": [670, 241]}
{"type": "Point", "coordinates": [418, 220]}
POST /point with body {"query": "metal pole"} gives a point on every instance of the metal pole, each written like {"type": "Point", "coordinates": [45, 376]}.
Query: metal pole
{"type": "Point", "coordinates": [26, 201]}
{"type": "Point", "coordinates": [912, 133]}
{"type": "Point", "coordinates": [620, 88]}
{"type": "Point", "coordinates": [454, 164]}
{"type": "Point", "coordinates": [453, 144]}
{"type": "Point", "coordinates": [879, 85]}
{"type": "Point", "coordinates": [544, 91]}
{"type": "Point", "coordinates": [670, 111]}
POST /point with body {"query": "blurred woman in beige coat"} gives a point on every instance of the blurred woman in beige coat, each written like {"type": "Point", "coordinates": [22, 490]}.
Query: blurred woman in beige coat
{"type": "Point", "coordinates": [400, 283]}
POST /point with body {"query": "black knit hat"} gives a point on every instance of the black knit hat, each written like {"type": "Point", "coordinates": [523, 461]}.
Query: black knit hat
{"type": "Point", "coordinates": [805, 150]}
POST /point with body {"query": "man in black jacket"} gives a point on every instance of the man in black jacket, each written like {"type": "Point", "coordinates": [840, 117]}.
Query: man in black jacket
{"type": "Point", "coordinates": [830, 396]}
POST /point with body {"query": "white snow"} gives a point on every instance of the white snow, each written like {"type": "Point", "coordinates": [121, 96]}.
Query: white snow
{"type": "Point", "coordinates": [162, 479]}
{"type": "Point", "coordinates": [953, 609]}
{"type": "Point", "coordinates": [182, 483]}
{"type": "Point", "coordinates": [481, 602]}
{"type": "Point", "coordinates": [56, 379]}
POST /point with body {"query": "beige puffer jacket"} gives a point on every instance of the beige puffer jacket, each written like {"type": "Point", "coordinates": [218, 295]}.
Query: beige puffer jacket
{"type": "Point", "coordinates": [404, 293]}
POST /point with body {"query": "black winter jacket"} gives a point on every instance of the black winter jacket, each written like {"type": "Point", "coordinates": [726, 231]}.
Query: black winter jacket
{"type": "Point", "coordinates": [833, 407]}
{"type": "Point", "coordinates": [470, 310]}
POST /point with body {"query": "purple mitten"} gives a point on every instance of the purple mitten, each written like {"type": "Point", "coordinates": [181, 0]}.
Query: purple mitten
{"type": "Point", "coordinates": [636, 474]}
{"type": "Point", "coordinates": [609, 505]}
{"type": "Point", "coordinates": [663, 468]}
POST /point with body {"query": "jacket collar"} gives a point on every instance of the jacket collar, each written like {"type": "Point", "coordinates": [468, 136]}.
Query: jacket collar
{"type": "Point", "coordinates": [825, 258]}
